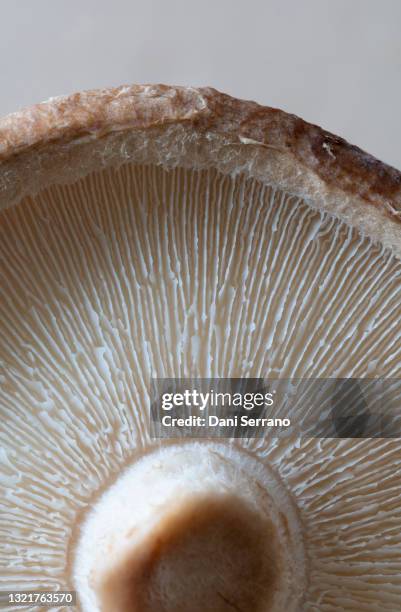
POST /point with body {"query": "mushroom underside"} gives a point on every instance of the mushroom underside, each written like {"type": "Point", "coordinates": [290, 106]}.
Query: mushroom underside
{"type": "Point", "coordinates": [141, 271]}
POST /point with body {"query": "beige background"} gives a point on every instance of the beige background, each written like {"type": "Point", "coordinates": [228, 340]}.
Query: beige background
{"type": "Point", "coordinates": [333, 62]}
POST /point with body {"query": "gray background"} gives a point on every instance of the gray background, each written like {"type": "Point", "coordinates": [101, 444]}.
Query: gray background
{"type": "Point", "coordinates": [333, 62]}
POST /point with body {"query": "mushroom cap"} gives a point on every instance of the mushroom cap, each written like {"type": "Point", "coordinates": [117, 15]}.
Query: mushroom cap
{"type": "Point", "coordinates": [154, 230]}
{"type": "Point", "coordinates": [68, 137]}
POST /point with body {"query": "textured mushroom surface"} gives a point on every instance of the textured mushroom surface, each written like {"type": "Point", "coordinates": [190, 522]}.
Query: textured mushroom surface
{"type": "Point", "coordinates": [163, 246]}
{"type": "Point", "coordinates": [216, 529]}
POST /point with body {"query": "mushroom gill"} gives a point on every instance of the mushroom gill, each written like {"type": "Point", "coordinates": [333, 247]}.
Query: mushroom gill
{"type": "Point", "coordinates": [172, 232]}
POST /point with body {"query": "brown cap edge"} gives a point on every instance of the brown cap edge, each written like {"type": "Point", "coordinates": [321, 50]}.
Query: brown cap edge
{"type": "Point", "coordinates": [97, 113]}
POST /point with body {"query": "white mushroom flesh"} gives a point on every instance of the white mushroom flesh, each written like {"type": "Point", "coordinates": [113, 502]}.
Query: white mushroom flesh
{"type": "Point", "coordinates": [142, 271]}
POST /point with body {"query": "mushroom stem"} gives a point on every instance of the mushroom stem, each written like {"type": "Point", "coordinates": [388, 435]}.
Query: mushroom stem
{"type": "Point", "coordinates": [190, 528]}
